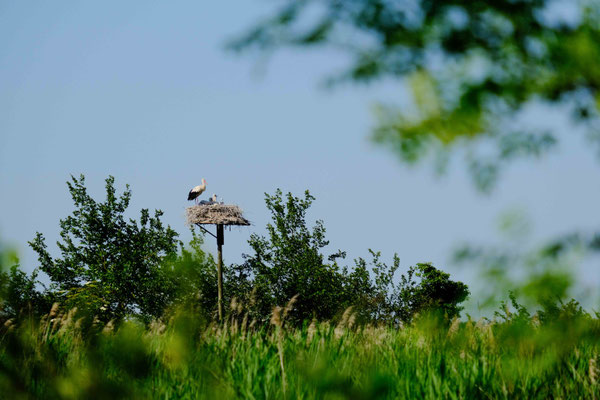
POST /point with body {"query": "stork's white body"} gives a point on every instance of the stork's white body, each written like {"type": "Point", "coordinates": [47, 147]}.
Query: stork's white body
{"type": "Point", "coordinates": [197, 191]}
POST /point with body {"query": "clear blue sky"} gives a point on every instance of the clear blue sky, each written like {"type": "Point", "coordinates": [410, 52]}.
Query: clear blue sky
{"type": "Point", "coordinates": [146, 92]}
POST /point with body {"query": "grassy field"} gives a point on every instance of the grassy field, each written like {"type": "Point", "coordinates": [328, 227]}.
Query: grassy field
{"type": "Point", "coordinates": [62, 357]}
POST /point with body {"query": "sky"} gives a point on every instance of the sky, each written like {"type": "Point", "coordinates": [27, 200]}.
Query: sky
{"type": "Point", "coordinates": [147, 92]}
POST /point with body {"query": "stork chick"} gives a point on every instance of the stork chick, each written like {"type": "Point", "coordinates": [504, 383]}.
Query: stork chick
{"type": "Point", "coordinates": [197, 191]}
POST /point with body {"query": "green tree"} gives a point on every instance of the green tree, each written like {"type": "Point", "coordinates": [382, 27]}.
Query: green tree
{"type": "Point", "coordinates": [289, 262]}
{"type": "Point", "coordinates": [424, 289]}
{"type": "Point", "coordinates": [19, 295]}
{"type": "Point", "coordinates": [470, 66]}
{"type": "Point", "coordinates": [109, 265]}
{"type": "Point", "coordinates": [434, 292]}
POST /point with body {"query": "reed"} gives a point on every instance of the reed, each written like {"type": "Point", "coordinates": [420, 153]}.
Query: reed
{"type": "Point", "coordinates": [62, 356]}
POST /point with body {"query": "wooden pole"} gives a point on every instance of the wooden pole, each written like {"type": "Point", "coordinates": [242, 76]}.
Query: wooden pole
{"type": "Point", "coordinates": [220, 241]}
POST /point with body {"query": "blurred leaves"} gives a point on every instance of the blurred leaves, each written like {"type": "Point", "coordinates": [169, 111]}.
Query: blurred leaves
{"type": "Point", "coordinates": [548, 355]}
{"type": "Point", "coordinates": [543, 274]}
{"type": "Point", "coordinates": [469, 67]}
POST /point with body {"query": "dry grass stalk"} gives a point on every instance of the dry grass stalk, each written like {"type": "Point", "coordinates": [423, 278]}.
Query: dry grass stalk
{"type": "Point", "coordinates": [347, 321]}
{"type": "Point", "coordinates": [224, 214]}
{"type": "Point", "coordinates": [79, 323]}
{"type": "Point", "coordinates": [277, 320]}
{"type": "Point", "coordinates": [67, 320]}
{"type": "Point", "coordinates": [53, 311]}
{"type": "Point", "coordinates": [109, 327]}
{"type": "Point", "coordinates": [484, 327]}
{"type": "Point", "coordinates": [157, 327]}
{"type": "Point", "coordinates": [234, 326]}
{"type": "Point", "coordinates": [56, 321]}
{"type": "Point", "coordinates": [312, 328]}
{"type": "Point", "coordinates": [236, 306]}
{"type": "Point", "coordinates": [289, 306]}
{"type": "Point", "coordinates": [592, 370]}
{"type": "Point", "coordinates": [252, 301]}
{"type": "Point", "coordinates": [9, 325]}
{"type": "Point", "coordinates": [375, 335]}
{"type": "Point", "coordinates": [225, 329]}
{"type": "Point", "coordinates": [276, 316]}
{"type": "Point", "coordinates": [280, 351]}
{"type": "Point", "coordinates": [454, 327]}
{"type": "Point", "coordinates": [244, 324]}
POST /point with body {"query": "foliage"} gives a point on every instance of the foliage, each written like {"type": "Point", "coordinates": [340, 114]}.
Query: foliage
{"type": "Point", "coordinates": [554, 312]}
{"type": "Point", "coordinates": [542, 276]}
{"type": "Point", "coordinates": [520, 314]}
{"type": "Point", "coordinates": [54, 357]}
{"type": "Point", "coordinates": [435, 291]}
{"type": "Point", "coordinates": [18, 293]}
{"type": "Point", "coordinates": [112, 268]}
{"type": "Point", "coordinates": [375, 295]}
{"type": "Point", "coordinates": [289, 262]}
{"type": "Point", "coordinates": [194, 275]}
{"type": "Point", "coordinates": [471, 67]}
{"type": "Point", "coordinates": [422, 290]}
{"type": "Point", "coordinates": [109, 265]}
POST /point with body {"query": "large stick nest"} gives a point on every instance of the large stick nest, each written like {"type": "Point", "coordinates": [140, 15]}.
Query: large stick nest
{"type": "Point", "coordinates": [224, 214]}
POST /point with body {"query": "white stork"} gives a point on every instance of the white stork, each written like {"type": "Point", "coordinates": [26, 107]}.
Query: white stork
{"type": "Point", "coordinates": [197, 191]}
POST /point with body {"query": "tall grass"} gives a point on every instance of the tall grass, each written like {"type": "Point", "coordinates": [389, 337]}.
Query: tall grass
{"type": "Point", "coordinates": [62, 356]}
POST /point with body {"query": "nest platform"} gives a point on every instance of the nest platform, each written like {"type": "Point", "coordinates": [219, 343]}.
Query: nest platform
{"type": "Point", "coordinates": [218, 214]}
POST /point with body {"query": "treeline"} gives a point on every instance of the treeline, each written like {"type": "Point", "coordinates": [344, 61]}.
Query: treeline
{"type": "Point", "coordinates": [114, 268]}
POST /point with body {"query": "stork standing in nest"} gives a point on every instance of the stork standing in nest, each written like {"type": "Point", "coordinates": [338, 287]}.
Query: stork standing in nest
{"type": "Point", "coordinates": [197, 191]}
